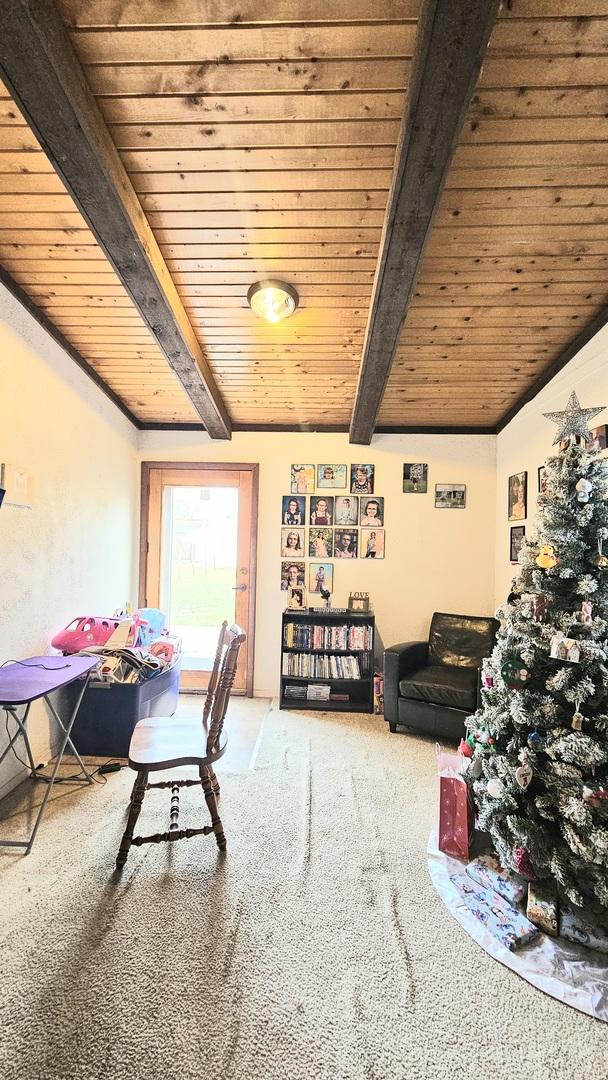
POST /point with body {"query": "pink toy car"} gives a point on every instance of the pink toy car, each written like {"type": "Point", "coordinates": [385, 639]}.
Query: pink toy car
{"type": "Point", "coordinates": [83, 632]}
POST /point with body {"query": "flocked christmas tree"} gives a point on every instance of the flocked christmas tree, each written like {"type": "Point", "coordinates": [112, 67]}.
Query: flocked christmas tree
{"type": "Point", "coordinates": [539, 743]}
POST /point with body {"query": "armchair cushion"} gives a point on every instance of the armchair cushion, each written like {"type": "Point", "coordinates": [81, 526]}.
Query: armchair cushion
{"type": "Point", "coordinates": [460, 640]}
{"type": "Point", "coordinates": [454, 687]}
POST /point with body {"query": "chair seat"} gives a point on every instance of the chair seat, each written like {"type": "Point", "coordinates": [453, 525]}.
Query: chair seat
{"type": "Point", "coordinates": [454, 687]}
{"type": "Point", "coordinates": [163, 742]}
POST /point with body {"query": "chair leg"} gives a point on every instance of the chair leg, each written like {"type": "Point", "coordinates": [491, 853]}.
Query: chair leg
{"type": "Point", "coordinates": [205, 774]}
{"type": "Point", "coordinates": [215, 784]}
{"type": "Point", "coordinates": [137, 798]}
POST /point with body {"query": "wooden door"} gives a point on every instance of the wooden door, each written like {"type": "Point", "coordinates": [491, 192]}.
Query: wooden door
{"type": "Point", "coordinates": [198, 558]}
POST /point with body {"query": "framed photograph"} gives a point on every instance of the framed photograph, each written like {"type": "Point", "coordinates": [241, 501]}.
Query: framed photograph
{"type": "Point", "coordinates": [294, 510]}
{"type": "Point", "coordinates": [599, 437]}
{"type": "Point", "coordinates": [371, 544]}
{"type": "Point", "coordinates": [518, 496]}
{"type": "Point", "coordinates": [347, 510]}
{"type": "Point", "coordinates": [359, 601]}
{"type": "Point", "coordinates": [372, 511]}
{"type": "Point", "coordinates": [415, 479]}
{"type": "Point", "coordinates": [302, 479]}
{"type": "Point", "coordinates": [320, 577]}
{"type": "Point", "coordinates": [292, 543]}
{"type": "Point", "coordinates": [331, 476]}
{"type": "Point", "coordinates": [293, 575]}
{"type": "Point", "coordinates": [297, 599]}
{"type": "Point", "coordinates": [320, 543]}
{"type": "Point", "coordinates": [516, 540]}
{"type": "Point", "coordinates": [322, 510]}
{"type": "Point", "coordinates": [362, 479]}
{"type": "Point", "coordinates": [346, 544]}
{"type": "Point", "coordinates": [542, 480]}
{"type": "Point", "coordinates": [450, 496]}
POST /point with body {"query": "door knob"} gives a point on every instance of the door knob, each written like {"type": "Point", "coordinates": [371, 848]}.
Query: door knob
{"type": "Point", "coordinates": [239, 588]}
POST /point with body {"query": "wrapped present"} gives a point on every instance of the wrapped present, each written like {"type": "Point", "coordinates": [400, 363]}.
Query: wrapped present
{"type": "Point", "coordinates": [488, 872]}
{"type": "Point", "coordinates": [583, 929]}
{"type": "Point", "coordinates": [542, 907]}
{"type": "Point", "coordinates": [456, 819]}
{"type": "Point", "coordinates": [505, 922]}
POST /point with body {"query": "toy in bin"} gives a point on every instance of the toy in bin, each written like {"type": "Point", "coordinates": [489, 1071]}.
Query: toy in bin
{"type": "Point", "coordinates": [84, 631]}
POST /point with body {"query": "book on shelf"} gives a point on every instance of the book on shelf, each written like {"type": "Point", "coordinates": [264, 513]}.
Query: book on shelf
{"type": "Point", "coordinates": [312, 636]}
{"type": "Point", "coordinates": [320, 666]}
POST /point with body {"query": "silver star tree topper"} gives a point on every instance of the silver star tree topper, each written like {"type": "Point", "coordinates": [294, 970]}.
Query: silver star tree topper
{"type": "Point", "coordinates": [573, 420]}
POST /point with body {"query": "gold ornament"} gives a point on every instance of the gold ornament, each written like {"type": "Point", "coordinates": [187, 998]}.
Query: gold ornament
{"type": "Point", "coordinates": [577, 721]}
{"type": "Point", "coordinates": [546, 557]}
{"type": "Point", "coordinates": [600, 559]}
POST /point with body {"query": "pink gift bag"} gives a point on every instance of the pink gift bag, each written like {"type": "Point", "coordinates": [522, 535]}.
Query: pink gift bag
{"type": "Point", "coordinates": [456, 819]}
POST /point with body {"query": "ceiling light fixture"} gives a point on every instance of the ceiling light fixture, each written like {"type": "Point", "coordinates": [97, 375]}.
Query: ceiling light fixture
{"type": "Point", "coordinates": [272, 300]}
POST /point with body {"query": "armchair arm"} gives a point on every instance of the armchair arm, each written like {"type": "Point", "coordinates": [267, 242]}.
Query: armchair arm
{"type": "Point", "coordinates": [400, 660]}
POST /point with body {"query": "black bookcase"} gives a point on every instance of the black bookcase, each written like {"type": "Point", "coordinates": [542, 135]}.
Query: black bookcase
{"type": "Point", "coordinates": [319, 647]}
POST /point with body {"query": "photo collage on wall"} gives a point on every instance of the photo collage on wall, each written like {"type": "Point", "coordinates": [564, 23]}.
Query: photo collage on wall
{"type": "Point", "coordinates": [331, 513]}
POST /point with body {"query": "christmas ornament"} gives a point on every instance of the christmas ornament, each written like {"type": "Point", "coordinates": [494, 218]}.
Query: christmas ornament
{"type": "Point", "coordinates": [577, 721]}
{"type": "Point", "coordinates": [536, 741]}
{"type": "Point", "coordinates": [495, 788]}
{"type": "Point", "coordinates": [539, 604]}
{"type": "Point", "coordinates": [573, 419]}
{"type": "Point", "coordinates": [514, 674]}
{"type": "Point", "coordinates": [465, 749]}
{"type": "Point", "coordinates": [523, 863]}
{"type": "Point", "coordinates": [564, 648]}
{"type": "Point", "coordinates": [546, 557]}
{"type": "Point", "coordinates": [600, 559]}
{"type": "Point", "coordinates": [487, 682]}
{"type": "Point", "coordinates": [523, 775]}
{"type": "Point", "coordinates": [583, 489]}
{"type": "Point", "coordinates": [584, 614]}
{"type": "Point", "coordinates": [595, 796]}
{"type": "Point", "coordinates": [475, 768]}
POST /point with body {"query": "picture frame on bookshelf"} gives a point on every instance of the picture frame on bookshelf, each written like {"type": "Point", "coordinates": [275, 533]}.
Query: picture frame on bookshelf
{"type": "Point", "coordinates": [297, 599]}
{"type": "Point", "coordinates": [292, 543]}
{"type": "Point", "coordinates": [320, 577]}
{"type": "Point", "coordinates": [415, 478]}
{"type": "Point", "coordinates": [516, 539]}
{"type": "Point", "coordinates": [320, 543]}
{"type": "Point", "coordinates": [371, 544]}
{"type": "Point", "coordinates": [302, 479]}
{"type": "Point", "coordinates": [359, 601]}
{"type": "Point", "coordinates": [331, 476]}
{"type": "Point", "coordinates": [293, 575]}
{"type": "Point", "coordinates": [293, 510]}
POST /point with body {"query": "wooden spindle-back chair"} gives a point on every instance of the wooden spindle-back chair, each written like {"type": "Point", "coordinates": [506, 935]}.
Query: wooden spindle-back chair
{"type": "Point", "coordinates": [160, 743]}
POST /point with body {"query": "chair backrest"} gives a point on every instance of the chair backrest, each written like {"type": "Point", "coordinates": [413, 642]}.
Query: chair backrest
{"type": "Point", "coordinates": [215, 672]}
{"type": "Point", "coordinates": [233, 639]}
{"type": "Point", "coordinates": [460, 640]}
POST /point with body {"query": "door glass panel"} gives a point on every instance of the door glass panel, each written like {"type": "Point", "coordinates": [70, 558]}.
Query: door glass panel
{"type": "Point", "coordinates": [198, 569]}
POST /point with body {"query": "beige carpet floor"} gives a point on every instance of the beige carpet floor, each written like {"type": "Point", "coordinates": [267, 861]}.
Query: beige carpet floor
{"type": "Point", "coordinates": [317, 948]}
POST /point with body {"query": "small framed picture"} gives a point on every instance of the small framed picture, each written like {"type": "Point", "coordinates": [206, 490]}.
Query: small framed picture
{"type": "Point", "coordinates": [362, 479]}
{"type": "Point", "coordinates": [320, 577]}
{"type": "Point", "coordinates": [371, 544]}
{"type": "Point", "coordinates": [563, 648]}
{"type": "Point", "coordinates": [450, 496]}
{"type": "Point", "coordinates": [518, 496]}
{"type": "Point", "coordinates": [347, 510]}
{"type": "Point", "coordinates": [297, 599]}
{"type": "Point", "coordinates": [292, 543]}
{"type": "Point", "coordinates": [415, 479]}
{"type": "Point", "coordinates": [346, 544]}
{"type": "Point", "coordinates": [543, 488]}
{"type": "Point", "coordinates": [331, 476]}
{"type": "Point", "coordinates": [372, 511]}
{"type": "Point", "coordinates": [322, 510]}
{"type": "Point", "coordinates": [302, 479]}
{"type": "Point", "coordinates": [599, 437]}
{"type": "Point", "coordinates": [294, 510]}
{"type": "Point", "coordinates": [293, 575]}
{"type": "Point", "coordinates": [320, 543]}
{"type": "Point", "coordinates": [516, 540]}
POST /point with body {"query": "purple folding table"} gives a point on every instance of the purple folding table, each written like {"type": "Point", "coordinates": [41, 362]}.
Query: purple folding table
{"type": "Point", "coordinates": [25, 681]}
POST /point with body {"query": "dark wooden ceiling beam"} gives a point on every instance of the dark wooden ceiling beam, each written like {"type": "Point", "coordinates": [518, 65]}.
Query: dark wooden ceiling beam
{"type": "Point", "coordinates": [451, 42]}
{"type": "Point", "coordinates": [45, 77]}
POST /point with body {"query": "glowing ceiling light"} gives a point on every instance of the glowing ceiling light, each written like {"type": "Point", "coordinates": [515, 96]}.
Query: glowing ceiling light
{"type": "Point", "coordinates": [272, 300]}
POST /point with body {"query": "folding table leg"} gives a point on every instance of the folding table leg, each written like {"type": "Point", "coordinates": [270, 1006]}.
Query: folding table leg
{"type": "Point", "coordinates": [21, 722]}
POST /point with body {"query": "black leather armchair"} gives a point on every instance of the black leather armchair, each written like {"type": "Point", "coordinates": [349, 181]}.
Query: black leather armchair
{"type": "Point", "coordinates": [432, 686]}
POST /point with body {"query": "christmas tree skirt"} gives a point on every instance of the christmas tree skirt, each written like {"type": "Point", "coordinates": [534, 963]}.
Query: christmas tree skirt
{"type": "Point", "coordinates": [571, 973]}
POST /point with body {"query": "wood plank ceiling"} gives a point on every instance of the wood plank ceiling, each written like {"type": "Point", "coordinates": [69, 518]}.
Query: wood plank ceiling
{"type": "Point", "coordinates": [260, 138]}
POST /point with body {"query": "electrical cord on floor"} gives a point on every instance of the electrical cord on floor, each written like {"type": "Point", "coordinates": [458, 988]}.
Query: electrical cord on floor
{"type": "Point", "coordinates": [98, 776]}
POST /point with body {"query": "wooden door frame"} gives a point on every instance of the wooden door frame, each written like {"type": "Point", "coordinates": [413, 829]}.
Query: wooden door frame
{"type": "Point", "coordinates": [234, 466]}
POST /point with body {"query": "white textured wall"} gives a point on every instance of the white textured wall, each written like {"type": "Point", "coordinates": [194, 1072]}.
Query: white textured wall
{"type": "Point", "coordinates": [435, 559]}
{"type": "Point", "coordinates": [527, 441]}
{"type": "Point", "coordinates": [73, 553]}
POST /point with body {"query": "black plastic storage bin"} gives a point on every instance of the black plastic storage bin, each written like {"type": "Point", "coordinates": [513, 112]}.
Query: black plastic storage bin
{"type": "Point", "coordinates": [109, 711]}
